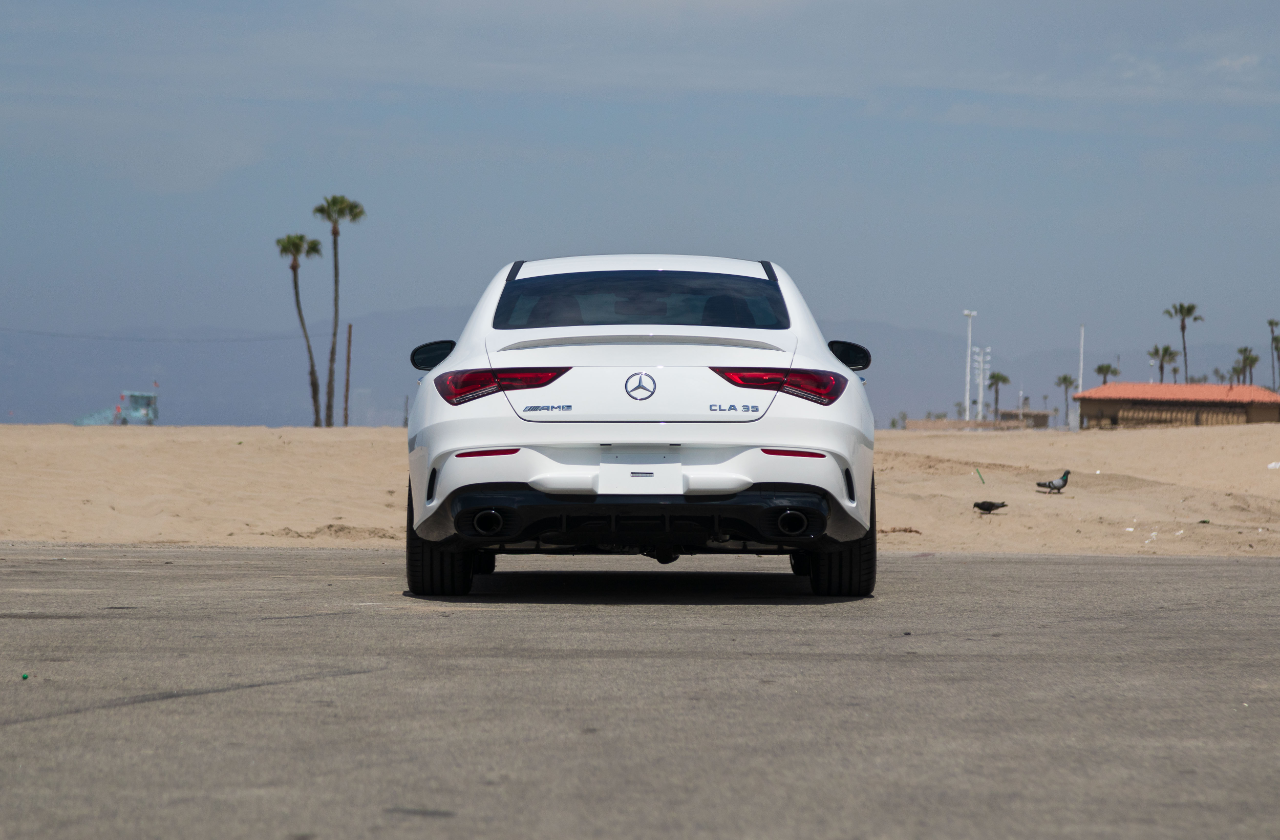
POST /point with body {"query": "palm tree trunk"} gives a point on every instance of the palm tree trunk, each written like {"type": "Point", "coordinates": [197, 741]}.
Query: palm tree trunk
{"type": "Point", "coordinates": [1273, 359]}
{"type": "Point", "coordinates": [333, 344]}
{"type": "Point", "coordinates": [997, 390]}
{"type": "Point", "coordinates": [1186, 366]}
{"type": "Point", "coordinates": [311, 359]}
{"type": "Point", "coordinates": [1162, 371]}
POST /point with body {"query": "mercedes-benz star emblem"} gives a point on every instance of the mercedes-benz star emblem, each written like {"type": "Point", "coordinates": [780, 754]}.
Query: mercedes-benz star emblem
{"type": "Point", "coordinates": [640, 386]}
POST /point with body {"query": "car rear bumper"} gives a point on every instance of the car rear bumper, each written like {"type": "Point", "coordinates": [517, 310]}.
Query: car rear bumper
{"type": "Point", "coordinates": [518, 517]}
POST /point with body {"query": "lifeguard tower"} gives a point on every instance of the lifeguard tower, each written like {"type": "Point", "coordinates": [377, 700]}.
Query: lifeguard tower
{"type": "Point", "coordinates": [134, 407]}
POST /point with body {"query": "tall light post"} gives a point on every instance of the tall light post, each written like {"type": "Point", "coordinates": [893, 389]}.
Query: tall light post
{"type": "Point", "coordinates": [1078, 422]}
{"type": "Point", "coordinates": [981, 365]}
{"type": "Point", "coordinates": [968, 353]}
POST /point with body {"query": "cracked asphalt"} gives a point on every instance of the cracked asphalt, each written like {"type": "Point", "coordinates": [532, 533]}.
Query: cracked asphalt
{"type": "Point", "coordinates": [201, 692]}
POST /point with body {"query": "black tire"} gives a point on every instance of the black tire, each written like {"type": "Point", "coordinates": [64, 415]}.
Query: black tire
{"type": "Point", "coordinates": [847, 569]}
{"type": "Point", "coordinates": [799, 563]}
{"type": "Point", "coordinates": [485, 563]}
{"type": "Point", "coordinates": [433, 568]}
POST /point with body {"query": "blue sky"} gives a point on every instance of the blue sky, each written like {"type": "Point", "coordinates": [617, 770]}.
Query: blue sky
{"type": "Point", "coordinates": [1046, 164]}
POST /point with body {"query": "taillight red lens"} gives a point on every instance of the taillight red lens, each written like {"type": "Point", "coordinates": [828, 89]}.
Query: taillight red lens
{"type": "Point", "coordinates": [793, 453]}
{"type": "Point", "coordinates": [763, 379]}
{"type": "Point", "coordinates": [517, 379]}
{"type": "Point", "coordinates": [462, 386]}
{"type": "Point", "coordinates": [820, 386]}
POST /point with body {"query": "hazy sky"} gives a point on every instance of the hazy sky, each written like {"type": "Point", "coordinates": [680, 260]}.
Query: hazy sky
{"type": "Point", "coordinates": [1046, 164]}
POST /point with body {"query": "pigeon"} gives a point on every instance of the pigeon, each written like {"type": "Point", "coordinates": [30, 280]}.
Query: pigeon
{"type": "Point", "coordinates": [1057, 484]}
{"type": "Point", "coordinates": [989, 507]}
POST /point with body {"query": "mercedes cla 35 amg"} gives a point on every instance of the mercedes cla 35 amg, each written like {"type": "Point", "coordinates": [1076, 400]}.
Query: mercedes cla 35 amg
{"type": "Point", "coordinates": [641, 404]}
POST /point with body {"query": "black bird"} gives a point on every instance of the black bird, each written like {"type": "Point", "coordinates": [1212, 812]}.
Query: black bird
{"type": "Point", "coordinates": [1057, 484]}
{"type": "Point", "coordinates": [988, 507]}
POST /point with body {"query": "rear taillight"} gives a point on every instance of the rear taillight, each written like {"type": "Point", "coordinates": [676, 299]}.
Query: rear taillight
{"type": "Point", "coordinates": [764, 380]}
{"type": "Point", "coordinates": [462, 386]}
{"type": "Point", "coordinates": [820, 386]}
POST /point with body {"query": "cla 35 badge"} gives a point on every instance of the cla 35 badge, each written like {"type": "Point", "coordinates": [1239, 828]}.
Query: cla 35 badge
{"type": "Point", "coordinates": [640, 386]}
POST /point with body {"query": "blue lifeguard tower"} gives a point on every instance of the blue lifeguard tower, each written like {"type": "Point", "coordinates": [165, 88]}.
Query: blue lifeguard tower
{"type": "Point", "coordinates": [134, 407]}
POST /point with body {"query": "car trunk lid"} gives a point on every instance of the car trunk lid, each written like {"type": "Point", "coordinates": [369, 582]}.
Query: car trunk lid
{"type": "Point", "coordinates": [641, 378]}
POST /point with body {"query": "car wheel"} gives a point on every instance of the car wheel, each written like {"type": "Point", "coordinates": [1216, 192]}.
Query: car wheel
{"type": "Point", "coordinates": [800, 563]}
{"type": "Point", "coordinates": [848, 568]}
{"type": "Point", "coordinates": [433, 569]}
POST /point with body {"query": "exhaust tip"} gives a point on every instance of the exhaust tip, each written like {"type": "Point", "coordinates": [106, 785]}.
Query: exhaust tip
{"type": "Point", "coordinates": [487, 523]}
{"type": "Point", "coordinates": [793, 523]}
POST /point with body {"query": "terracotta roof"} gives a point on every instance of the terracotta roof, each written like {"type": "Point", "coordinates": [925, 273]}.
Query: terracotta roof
{"type": "Point", "coordinates": [1152, 392]}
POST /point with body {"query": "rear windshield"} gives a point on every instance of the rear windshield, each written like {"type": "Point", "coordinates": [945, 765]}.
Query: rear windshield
{"type": "Point", "coordinates": [683, 298]}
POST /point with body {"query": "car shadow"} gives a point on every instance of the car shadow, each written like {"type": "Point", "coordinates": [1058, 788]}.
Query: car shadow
{"type": "Point", "coordinates": [640, 588]}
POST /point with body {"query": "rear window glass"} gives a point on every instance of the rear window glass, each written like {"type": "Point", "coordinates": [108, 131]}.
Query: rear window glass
{"type": "Point", "coordinates": [677, 298]}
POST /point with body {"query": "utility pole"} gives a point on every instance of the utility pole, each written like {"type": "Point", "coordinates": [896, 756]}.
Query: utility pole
{"type": "Point", "coordinates": [1076, 425]}
{"type": "Point", "coordinates": [968, 354]}
{"type": "Point", "coordinates": [346, 389]}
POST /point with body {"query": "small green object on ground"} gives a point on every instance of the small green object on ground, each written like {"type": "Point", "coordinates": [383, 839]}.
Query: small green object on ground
{"type": "Point", "coordinates": [1204, 522]}
{"type": "Point", "coordinates": [24, 676]}
{"type": "Point", "coordinates": [979, 472]}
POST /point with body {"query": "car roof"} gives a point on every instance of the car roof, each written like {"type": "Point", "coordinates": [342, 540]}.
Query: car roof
{"type": "Point", "coordinates": [641, 262]}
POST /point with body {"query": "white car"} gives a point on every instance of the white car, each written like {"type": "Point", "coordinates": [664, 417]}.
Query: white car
{"type": "Point", "coordinates": [641, 404]}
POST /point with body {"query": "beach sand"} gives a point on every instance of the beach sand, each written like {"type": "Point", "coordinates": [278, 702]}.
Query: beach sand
{"type": "Point", "coordinates": [1131, 491]}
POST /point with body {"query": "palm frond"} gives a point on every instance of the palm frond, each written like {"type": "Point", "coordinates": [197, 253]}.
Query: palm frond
{"type": "Point", "coordinates": [291, 245]}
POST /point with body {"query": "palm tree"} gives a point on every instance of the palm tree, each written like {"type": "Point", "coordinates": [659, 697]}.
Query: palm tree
{"type": "Point", "coordinates": [1272, 323]}
{"type": "Point", "coordinates": [334, 209]}
{"type": "Point", "coordinates": [1165, 355]}
{"type": "Point", "coordinates": [1248, 361]}
{"type": "Point", "coordinates": [1066, 382]}
{"type": "Point", "coordinates": [1219, 375]}
{"type": "Point", "coordinates": [293, 246]}
{"type": "Point", "coordinates": [1175, 374]}
{"type": "Point", "coordinates": [1275, 347]}
{"type": "Point", "coordinates": [994, 380]}
{"type": "Point", "coordinates": [1182, 312]}
{"type": "Point", "coordinates": [1106, 370]}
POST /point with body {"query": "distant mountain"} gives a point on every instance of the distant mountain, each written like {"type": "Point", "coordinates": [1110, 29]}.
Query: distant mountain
{"type": "Point", "coordinates": [214, 377]}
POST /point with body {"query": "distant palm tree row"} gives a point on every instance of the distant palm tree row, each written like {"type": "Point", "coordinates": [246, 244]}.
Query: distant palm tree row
{"type": "Point", "coordinates": [1163, 356]}
{"type": "Point", "coordinates": [333, 209]}
{"type": "Point", "coordinates": [1241, 373]}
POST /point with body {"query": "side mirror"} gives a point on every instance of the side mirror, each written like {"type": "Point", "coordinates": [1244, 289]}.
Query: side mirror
{"type": "Point", "coordinates": [854, 356]}
{"type": "Point", "coordinates": [427, 356]}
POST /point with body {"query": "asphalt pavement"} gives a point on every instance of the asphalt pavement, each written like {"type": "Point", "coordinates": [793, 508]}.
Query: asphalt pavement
{"type": "Point", "coordinates": [222, 693]}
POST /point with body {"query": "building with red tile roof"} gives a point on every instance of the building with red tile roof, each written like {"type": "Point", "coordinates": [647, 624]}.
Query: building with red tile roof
{"type": "Point", "coordinates": [1150, 404]}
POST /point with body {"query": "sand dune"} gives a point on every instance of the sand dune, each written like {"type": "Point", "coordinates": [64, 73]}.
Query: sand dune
{"type": "Point", "coordinates": [1131, 491]}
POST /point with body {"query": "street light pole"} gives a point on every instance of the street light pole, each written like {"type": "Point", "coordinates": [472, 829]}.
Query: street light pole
{"type": "Point", "coordinates": [1079, 422]}
{"type": "Point", "coordinates": [968, 361]}
{"type": "Point", "coordinates": [981, 366]}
